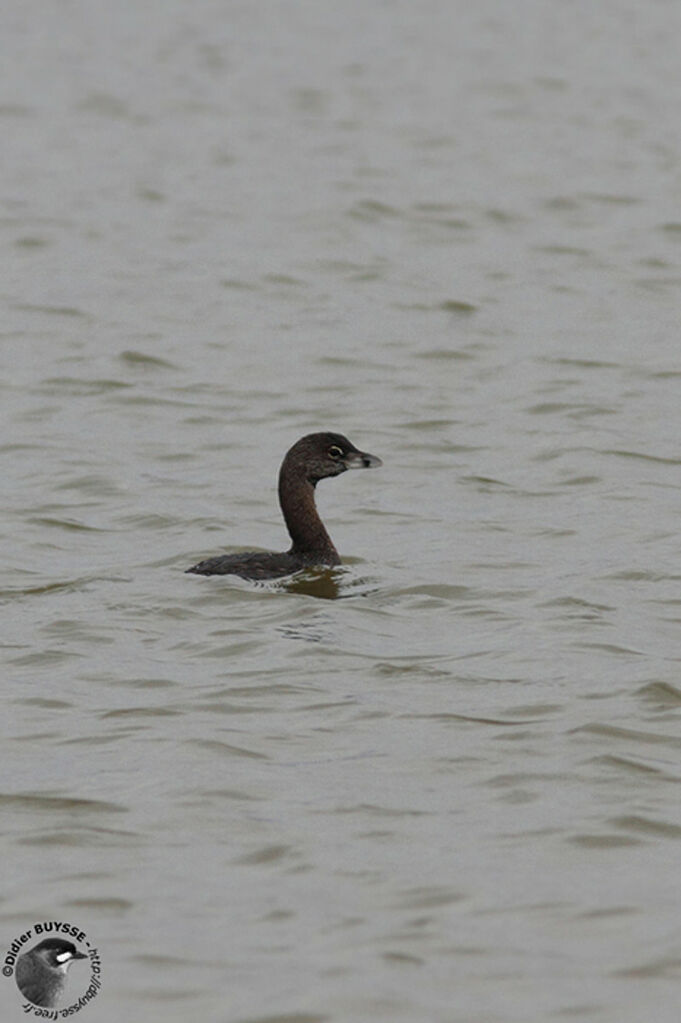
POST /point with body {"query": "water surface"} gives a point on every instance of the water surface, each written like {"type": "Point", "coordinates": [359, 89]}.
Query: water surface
{"type": "Point", "coordinates": [440, 784]}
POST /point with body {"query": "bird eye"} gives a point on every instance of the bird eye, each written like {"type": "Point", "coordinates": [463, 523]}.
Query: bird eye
{"type": "Point", "coordinates": [335, 451]}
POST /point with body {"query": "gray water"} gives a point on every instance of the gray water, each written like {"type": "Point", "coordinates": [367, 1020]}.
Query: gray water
{"type": "Point", "coordinates": [440, 784]}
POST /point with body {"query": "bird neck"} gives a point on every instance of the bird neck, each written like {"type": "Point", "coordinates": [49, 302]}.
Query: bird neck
{"type": "Point", "coordinates": [309, 537]}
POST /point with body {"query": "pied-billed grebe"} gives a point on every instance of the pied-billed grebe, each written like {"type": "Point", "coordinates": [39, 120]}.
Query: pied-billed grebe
{"type": "Point", "coordinates": [41, 973]}
{"type": "Point", "coordinates": [310, 460]}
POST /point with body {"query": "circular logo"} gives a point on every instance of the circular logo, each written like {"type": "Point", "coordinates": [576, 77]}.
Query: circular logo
{"type": "Point", "coordinates": [40, 960]}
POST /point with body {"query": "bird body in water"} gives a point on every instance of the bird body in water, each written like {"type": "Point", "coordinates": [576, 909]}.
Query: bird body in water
{"type": "Point", "coordinates": [311, 459]}
{"type": "Point", "coordinates": [41, 972]}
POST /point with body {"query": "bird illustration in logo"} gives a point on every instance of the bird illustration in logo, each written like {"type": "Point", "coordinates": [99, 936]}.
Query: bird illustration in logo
{"type": "Point", "coordinates": [41, 972]}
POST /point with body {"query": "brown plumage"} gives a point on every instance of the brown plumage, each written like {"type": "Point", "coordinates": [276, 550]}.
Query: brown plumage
{"type": "Point", "coordinates": [311, 459]}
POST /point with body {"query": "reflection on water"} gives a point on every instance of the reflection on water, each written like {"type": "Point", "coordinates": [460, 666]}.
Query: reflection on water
{"type": "Point", "coordinates": [329, 584]}
{"type": "Point", "coordinates": [324, 584]}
